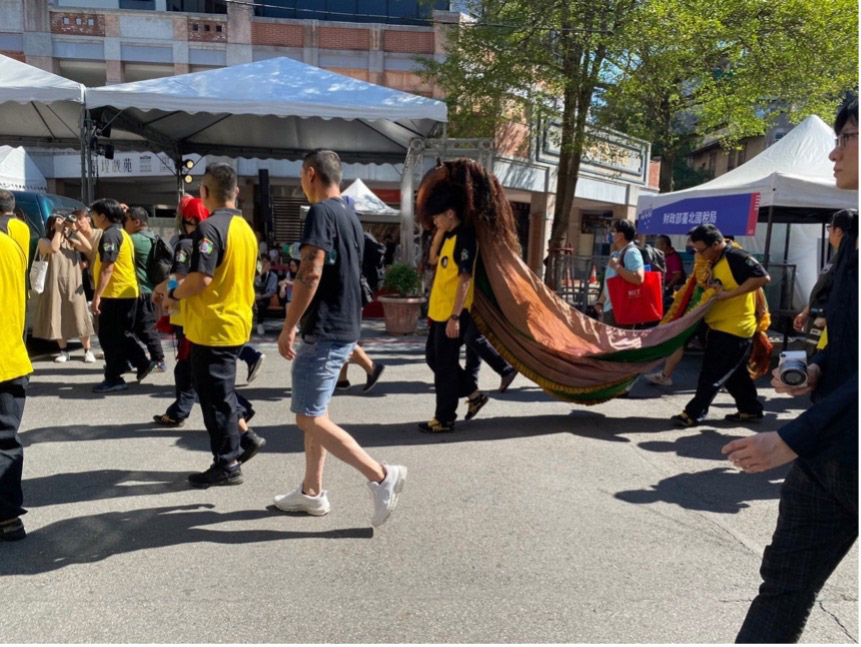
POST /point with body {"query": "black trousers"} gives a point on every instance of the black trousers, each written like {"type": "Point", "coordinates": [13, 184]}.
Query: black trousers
{"type": "Point", "coordinates": [451, 381]}
{"type": "Point", "coordinates": [213, 374]}
{"type": "Point", "coordinates": [261, 306]}
{"type": "Point", "coordinates": [145, 327]}
{"type": "Point", "coordinates": [184, 389]}
{"type": "Point", "coordinates": [816, 526]}
{"type": "Point", "coordinates": [724, 364]}
{"type": "Point", "coordinates": [12, 396]}
{"type": "Point", "coordinates": [117, 338]}
{"type": "Point", "coordinates": [478, 349]}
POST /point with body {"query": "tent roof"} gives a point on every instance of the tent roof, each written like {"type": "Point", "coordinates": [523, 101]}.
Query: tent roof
{"type": "Point", "coordinates": [37, 107]}
{"type": "Point", "coordinates": [367, 202]}
{"type": "Point", "coordinates": [794, 172]}
{"type": "Point", "coordinates": [19, 172]}
{"type": "Point", "coordinates": [276, 108]}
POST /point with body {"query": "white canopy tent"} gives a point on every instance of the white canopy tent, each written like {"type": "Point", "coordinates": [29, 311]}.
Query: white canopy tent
{"type": "Point", "coordinates": [277, 108]}
{"type": "Point", "coordinates": [367, 204]}
{"type": "Point", "coordinates": [795, 180]}
{"type": "Point", "coordinates": [18, 172]}
{"type": "Point", "coordinates": [38, 108]}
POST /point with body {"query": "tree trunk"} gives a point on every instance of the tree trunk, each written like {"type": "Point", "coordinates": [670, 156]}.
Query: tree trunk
{"type": "Point", "coordinates": [668, 161]}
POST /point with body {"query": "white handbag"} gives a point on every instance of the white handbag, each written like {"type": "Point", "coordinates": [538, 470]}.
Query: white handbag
{"type": "Point", "coordinates": [38, 273]}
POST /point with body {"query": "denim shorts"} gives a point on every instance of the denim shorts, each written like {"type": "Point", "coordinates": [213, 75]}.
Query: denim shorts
{"type": "Point", "coordinates": [315, 373]}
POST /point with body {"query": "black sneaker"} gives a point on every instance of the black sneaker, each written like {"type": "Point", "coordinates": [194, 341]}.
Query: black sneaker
{"type": "Point", "coordinates": [739, 416]}
{"type": "Point", "coordinates": [109, 386]}
{"type": "Point", "coordinates": [254, 368]}
{"type": "Point", "coordinates": [12, 531]}
{"type": "Point", "coordinates": [506, 381]}
{"type": "Point", "coordinates": [251, 444]}
{"type": "Point", "coordinates": [165, 420]}
{"type": "Point", "coordinates": [434, 426]}
{"type": "Point", "coordinates": [217, 475]}
{"type": "Point", "coordinates": [374, 376]}
{"type": "Point", "coordinates": [342, 385]}
{"type": "Point", "coordinates": [474, 405]}
{"type": "Point", "coordinates": [145, 371]}
{"type": "Point", "coordinates": [684, 420]}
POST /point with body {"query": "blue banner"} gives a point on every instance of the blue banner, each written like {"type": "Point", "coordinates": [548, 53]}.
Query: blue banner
{"type": "Point", "coordinates": [734, 215]}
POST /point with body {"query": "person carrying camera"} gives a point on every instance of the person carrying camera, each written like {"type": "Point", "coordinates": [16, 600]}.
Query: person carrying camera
{"type": "Point", "coordinates": [817, 522]}
{"type": "Point", "coordinates": [61, 309]}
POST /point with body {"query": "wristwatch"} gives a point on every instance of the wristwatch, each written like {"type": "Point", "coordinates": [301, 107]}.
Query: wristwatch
{"type": "Point", "coordinates": [170, 294]}
{"type": "Point", "coordinates": [455, 317]}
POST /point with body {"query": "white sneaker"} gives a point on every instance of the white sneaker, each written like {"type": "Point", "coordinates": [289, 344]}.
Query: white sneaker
{"type": "Point", "coordinates": [297, 501]}
{"type": "Point", "coordinates": [62, 357]}
{"type": "Point", "coordinates": [260, 329]}
{"type": "Point", "coordinates": [89, 358]}
{"type": "Point", "coordinates": [659, 379]}
{"type": "Point", "coordinates": [385, 494]}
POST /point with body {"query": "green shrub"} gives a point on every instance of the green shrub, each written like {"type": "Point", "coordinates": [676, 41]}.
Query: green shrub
{"type": "Point", "coordinates": [403, 279]}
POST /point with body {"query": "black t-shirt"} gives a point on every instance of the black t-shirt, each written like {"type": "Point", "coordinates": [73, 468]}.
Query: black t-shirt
{"type": "Point", "coordinates": [182, 256]}
{"type": "Point", "coordinates": [465, 249]}
{"type": "Point", "coordinates": [742, 265]}
{"type": "Point", "coordinates": [335, 314]}
{"type": "Point", "coordinates": [210, 241]}
{"type": "Point", "coordinates": [110, 244]}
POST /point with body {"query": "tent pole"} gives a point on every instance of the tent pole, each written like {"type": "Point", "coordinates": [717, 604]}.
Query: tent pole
{"type": "Point", "coordinates": [768, 235]}
{"type": "Point", "coordinates": [83, 138]}
{"type": "Point", "coordinates": [407, 217]}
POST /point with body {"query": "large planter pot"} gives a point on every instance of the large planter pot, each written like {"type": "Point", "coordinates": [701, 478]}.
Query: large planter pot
{"type": "Point", "coordinates": [401, 314]}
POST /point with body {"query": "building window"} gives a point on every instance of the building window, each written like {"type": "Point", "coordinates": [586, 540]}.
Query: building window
{"type": "Point", "coordinates": [143, 5]}
{"type": "Point", "coordinates": [401, 12]}
{"type": "Point", "coordinates": [65, 21]}
{"type": "Point", "coordinates": [198, 6]}
{"type": "Point", "coordinates": [206, 28]}
{"type": "Point", "coordinates": [218, 28]}
{"type": "Point", "coordinates": [91, 22]}
{"type": "Point", "coordinates": [195, 27]}
{"type": "Point", "coordinates": [77, 21]}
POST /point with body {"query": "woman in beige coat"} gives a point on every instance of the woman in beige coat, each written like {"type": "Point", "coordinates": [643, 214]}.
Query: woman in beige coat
{"type": "Point", "coordinates": [61, 310]}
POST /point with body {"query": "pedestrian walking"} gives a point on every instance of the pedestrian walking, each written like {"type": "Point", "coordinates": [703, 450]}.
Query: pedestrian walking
{"type": "Point", "coordinates": [327, 301]}
{"type": "Point", "coordinates": [448, 309]}
{"type": "Point", "coordinates": [626, 261]}
{"type": "Point", "coordinates": [216, 300]}
{"type": "Point", "coordinates": [731, 325]}
{"type": "Point", "coordinates": [817, 521]}
{"type": "Point", "coordinates": [61, 312]}
{"type": "Point", "coordinates": [14, 369]}
{"type": "Point", "coordinates": [136, 225]}
{"type": "Point", "coordinates": [115, 299]}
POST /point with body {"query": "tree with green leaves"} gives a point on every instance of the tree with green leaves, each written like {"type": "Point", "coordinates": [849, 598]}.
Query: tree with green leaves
{"type": "Point", "coordinates": [726, 69]}
{"type": "Point", "coordinates": [535, 60]}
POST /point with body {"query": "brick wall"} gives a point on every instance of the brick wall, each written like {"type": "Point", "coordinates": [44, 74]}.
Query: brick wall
{"type": "Point", "coordinates": [79, 24]}
{"type": "Point", "coordinates": [18, 56]}
{"type": "Point", "coordinates": [267, 33]}
{"type": "Point", "coordinates": [210, 31]}
{"type": "Point", "coordinates": [341, 38]}
{"type": "Point", "coordinates": [410, 42]}
{"type": "Point", "coordinates": [654, 180]}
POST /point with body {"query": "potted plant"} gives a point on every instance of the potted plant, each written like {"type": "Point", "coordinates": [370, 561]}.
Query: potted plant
{"type": "Point", "coordinates": [401, 310]}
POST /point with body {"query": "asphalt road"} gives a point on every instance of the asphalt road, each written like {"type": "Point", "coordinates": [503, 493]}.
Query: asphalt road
{"type": "Point", "coordinates": [537, 522]}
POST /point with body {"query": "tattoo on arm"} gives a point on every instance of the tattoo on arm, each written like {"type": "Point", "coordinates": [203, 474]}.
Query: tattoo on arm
{"type": "Point", "coordinates": [310, 269]}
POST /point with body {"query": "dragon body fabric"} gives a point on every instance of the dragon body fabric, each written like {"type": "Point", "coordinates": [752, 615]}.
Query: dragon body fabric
{"type": "Point", "coordinates": [569, 355]}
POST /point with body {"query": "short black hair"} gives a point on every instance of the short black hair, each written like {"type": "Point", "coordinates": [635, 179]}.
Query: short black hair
{"type": "Point", "coordinates": [626, 228]}
{"type": "Point", "coordinates": [7, 201]}
{"type": "Point", "coordinates": [442, 198]}
{"type": "Point", "coordinates": [139, 213]}
{"type": "Point", "coordinates": [708, 234]}
{"type": "Point", "coordinates": [109, 208]}
{"type": "Point", "coordinates": [666, 239]}
{"type": "Point", "coordinates": [844, 220]}
{"type": "Point", "coordinates": [327, 165]}
{"type": "Point", "coordinates": [225, 180]}
{"type": "Point", "coordinates": [848, 112]}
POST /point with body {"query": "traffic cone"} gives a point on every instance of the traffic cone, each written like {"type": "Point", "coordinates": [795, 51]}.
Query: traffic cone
{"type": "Point", "coordinates": [593, 277]}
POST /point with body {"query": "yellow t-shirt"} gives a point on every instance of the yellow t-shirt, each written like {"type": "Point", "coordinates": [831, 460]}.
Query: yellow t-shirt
{"type": "Point", "coordinates": [19, 231]}
{"type": "Point", "coordinates": [116, 247]}
{"type": "Point", "coordinates": [224, 247]}
{"type": "Point", "coordinates": [457, 256]}
{"type": "Point", "coordinates": [14, 361]}
{"type": "Point", "coordinates": [736, 316]}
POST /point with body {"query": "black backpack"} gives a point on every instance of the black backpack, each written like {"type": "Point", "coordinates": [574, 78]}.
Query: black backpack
{"type": "Point", "coordinates": [655, 258]}
{"type": "Point", "coordinates": [160, 261]}
{"type": "Point", "coordinates": [374, 262]}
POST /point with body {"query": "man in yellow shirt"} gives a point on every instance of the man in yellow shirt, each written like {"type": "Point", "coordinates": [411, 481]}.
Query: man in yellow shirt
{"type": "Point", "coordinates": [115, 298]}
{"type": "Point", "coordinates": [216, 300]}
{"type": "Point", "coordinates": [12, 225]}
{"type": "Point", "coordinates": [14, 369]}
{"type": "Point", "coordinates": [731, 325]}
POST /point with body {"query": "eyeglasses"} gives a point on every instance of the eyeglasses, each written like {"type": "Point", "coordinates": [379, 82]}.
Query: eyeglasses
{"type": "Point", "coordinates": [190, 223]}
{"type": "Point", "coordinates": [841, 141]}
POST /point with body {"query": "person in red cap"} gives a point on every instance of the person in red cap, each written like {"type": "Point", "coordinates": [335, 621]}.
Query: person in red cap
{"type": "Point", "coordinates": [192, 213]}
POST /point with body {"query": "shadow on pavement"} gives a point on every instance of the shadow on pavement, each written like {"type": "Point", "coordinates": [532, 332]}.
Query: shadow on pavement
{"type": "Point", "coordinates": [100, 484]}
{"type": "Point", "coordinates": [84, 390]}
{"type": "Point", "coordinates": [88, 539]}
{"type": "Point", "coordinates": [706, 445]}
{"type": "Point", "coordinates": [721, 489]}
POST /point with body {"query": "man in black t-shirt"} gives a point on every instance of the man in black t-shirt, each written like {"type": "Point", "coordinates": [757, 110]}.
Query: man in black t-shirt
{"type": "Point", "coordinates": [327, 301]}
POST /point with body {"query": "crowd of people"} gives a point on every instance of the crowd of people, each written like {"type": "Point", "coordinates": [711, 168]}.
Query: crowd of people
{"type": "Point", "coordinates": [220, 272]}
